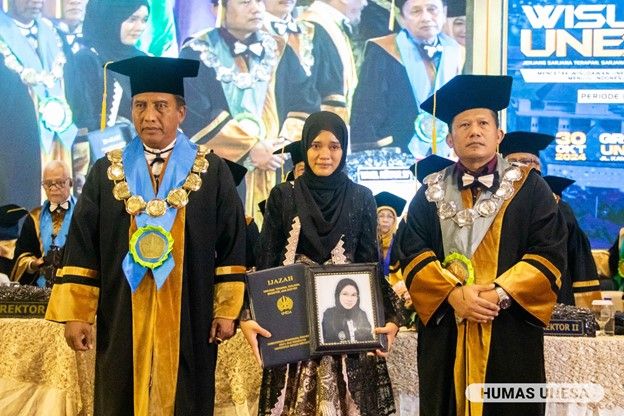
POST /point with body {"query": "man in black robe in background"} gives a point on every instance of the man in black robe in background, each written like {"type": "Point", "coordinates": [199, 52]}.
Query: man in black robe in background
{"type": "Point", "coordinates": [579, 282]}
{"type": "Point", "coordinates": [482, 254]}
{"type": "Point", "coordinates": [156, 249]}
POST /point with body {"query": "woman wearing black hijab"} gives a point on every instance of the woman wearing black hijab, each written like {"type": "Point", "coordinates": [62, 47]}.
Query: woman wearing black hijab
{"type": "Point", "coordinates": [323, 218]}
{"type": "Point", "coordinates": [346, 321]}
{"type": "Point", "coordinates": [110, 31]}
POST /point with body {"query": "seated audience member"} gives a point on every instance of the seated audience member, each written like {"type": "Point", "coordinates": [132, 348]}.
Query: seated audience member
{"type": "Point", "coordinates": [38, 251]}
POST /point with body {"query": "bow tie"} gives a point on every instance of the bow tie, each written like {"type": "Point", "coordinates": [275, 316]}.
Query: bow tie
{"type": "Point", "coordinates": [281, 28]}
{"type": "Point", "coordinates": [240, 48]}
{"type": "Point", "coordinates": [488, 181]}
{"type": "Point", "coordinates": [63, 206]}
{"type": "Point", "coordinates": [432, 50]}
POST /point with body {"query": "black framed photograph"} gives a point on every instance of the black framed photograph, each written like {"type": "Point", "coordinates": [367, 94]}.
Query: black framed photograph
{"type": "Point", "coordinates": [344, 307]}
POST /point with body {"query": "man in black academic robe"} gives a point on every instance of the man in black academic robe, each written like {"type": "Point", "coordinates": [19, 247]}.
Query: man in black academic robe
{"type": "Point", "coordinates": [38, 249]}
{"type": "Point", "coordinates": [251, 93]}
{"type": "Point", "coordinates": [399, 72]}
{"type": "Point", "coordinates": [579, 282]}
{"type": "Point", "coordinates": [316, 51]}
{"type": "Point", "coordinates": [483, 281]}
{"type": "Point", "coordinates": [157, 329]}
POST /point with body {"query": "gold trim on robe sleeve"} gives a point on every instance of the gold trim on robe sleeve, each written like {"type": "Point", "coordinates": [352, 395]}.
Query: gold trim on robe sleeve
{"type": "Point", "coordinates": [584, 299]}
{"type": "Point", "coordinates": [394, 274]}
{"type": "Point", "coordinates": [21, 266]}
{"type": "Point", "coordinates": [428, 284]}
{"type": "Point", "coordinates": [587, 283]}
{"type": "Point", "coordinates": [225, 270]}
{"type": "Point", "coordinates": [293, 125]}
{"type": "Point", "coordinates": [77, 271]}
{"type": "Point", "coordinates": [73, 302]}
{"type": "Point", "coordinates": [530, 287]}
{"type": "Point", "coordinates": [229, 142]}
{"type": "Point", "coordinates": [342, 112]}
{"type": "Point", "coordinates": [228, 299]}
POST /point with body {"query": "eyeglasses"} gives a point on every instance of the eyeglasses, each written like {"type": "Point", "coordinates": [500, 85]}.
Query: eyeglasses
{"type": "Point", "coordinates": [60, 183]}
{"type": "Point", "coordinates": [526, 161]}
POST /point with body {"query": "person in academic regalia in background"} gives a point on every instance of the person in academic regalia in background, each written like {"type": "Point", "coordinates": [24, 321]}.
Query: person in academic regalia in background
{"type": "Point", "coordinates": [111, 30]}
{"type": "Point", "coordinates": [39, 248]}
{"type": "Point", "coordinates": [10, 215]}
{"type": "Point", "coordinates": [251, 95]}
{"type": "Point", "coordinates": [399, 72]}
{"type": "Point", "coordinates": [482, 274]}
{"type": "Point", "coordinates": [389, 210]}
{"type": "Point", "coordinates": [314, 48]}
{"type": "Point", "coordinates": [579, 282]}
{"type": "Point", "coordinates": [156, 250]}
{"type": "Point", "coordinates": [34, 114]}
{"type": "Point", "coordinates": [335, 21]}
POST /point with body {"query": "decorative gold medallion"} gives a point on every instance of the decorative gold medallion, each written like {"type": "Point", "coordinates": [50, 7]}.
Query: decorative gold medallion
{"type": "Point", "coordinates": [200, 165]}
{"type": "Point", "coordinates": [156, 207]}
{"type": "Point", "coordinates": [135, 204]}
{"type": "Point", "coordinates": [115, 172]}
{"type": "Point", "coordinates": [151, 245]}
{"type": "Point", "coordinates": [461, 266]}
{"type": "Point", "coordinates": [177, 198]}
{"type": "Point", "coordinates": [193, 182]}
{"type": "Point", "coordinates": [121, 191]}
{"type": "Point", "coordinates": [115, 155]}
{"type": "Point", "coordinates": [202, 150]}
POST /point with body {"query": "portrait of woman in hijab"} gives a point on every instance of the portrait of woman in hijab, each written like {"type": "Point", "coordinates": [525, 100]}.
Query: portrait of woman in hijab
{"type": "Point", "coordinates": [323, 218]}
{"type": "Point", "coordinates": [111, 30]}
{"type": "Point", "coordinates": [346, 321]}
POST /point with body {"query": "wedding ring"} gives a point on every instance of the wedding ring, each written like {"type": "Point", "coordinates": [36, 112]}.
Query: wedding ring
{"type": "Point", "coordinates": [218, 340]}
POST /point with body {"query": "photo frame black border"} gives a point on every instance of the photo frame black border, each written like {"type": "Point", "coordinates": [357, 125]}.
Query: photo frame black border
{"type": "Point", "coordinates": [318, 348]}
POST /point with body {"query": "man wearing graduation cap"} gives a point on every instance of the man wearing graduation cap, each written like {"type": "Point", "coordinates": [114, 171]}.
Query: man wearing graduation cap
{"type": "Point", "coordinates": [250, 97]}
{"type": "Point", "coordinates": [579, 282]}
{"type": "Point", "coordinates": [399, 72]}
{"type": "Point", "coordinates": [39, 247]}
{"type": "Point", "coordinates": [9, 231]}
{"type": "Point", "coordinates": [156, 250]}
{"type": "Point", "coordinates": [483, 250]}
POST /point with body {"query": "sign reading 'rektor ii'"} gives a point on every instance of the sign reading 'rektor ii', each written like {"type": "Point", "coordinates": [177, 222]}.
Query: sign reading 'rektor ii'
{"type": "Point", "coordinates": [567, 60]}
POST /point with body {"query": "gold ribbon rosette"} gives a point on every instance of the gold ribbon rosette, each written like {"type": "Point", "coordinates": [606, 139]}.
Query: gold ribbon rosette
{"type": "Point", "coordinates": [461, 267]}
{"type": "Point", "coordinates": [150, 246]}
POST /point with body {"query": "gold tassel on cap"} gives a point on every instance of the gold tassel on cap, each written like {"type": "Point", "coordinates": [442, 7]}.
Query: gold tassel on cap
{"type": "Point", "coordinates": [392, 16]}
{"type": "Point", "coordinates": [434, 135]}
{"type": "Point", "coordinates": [104, 94]}
{"type": "Point", "coordinates": [220, 13]}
